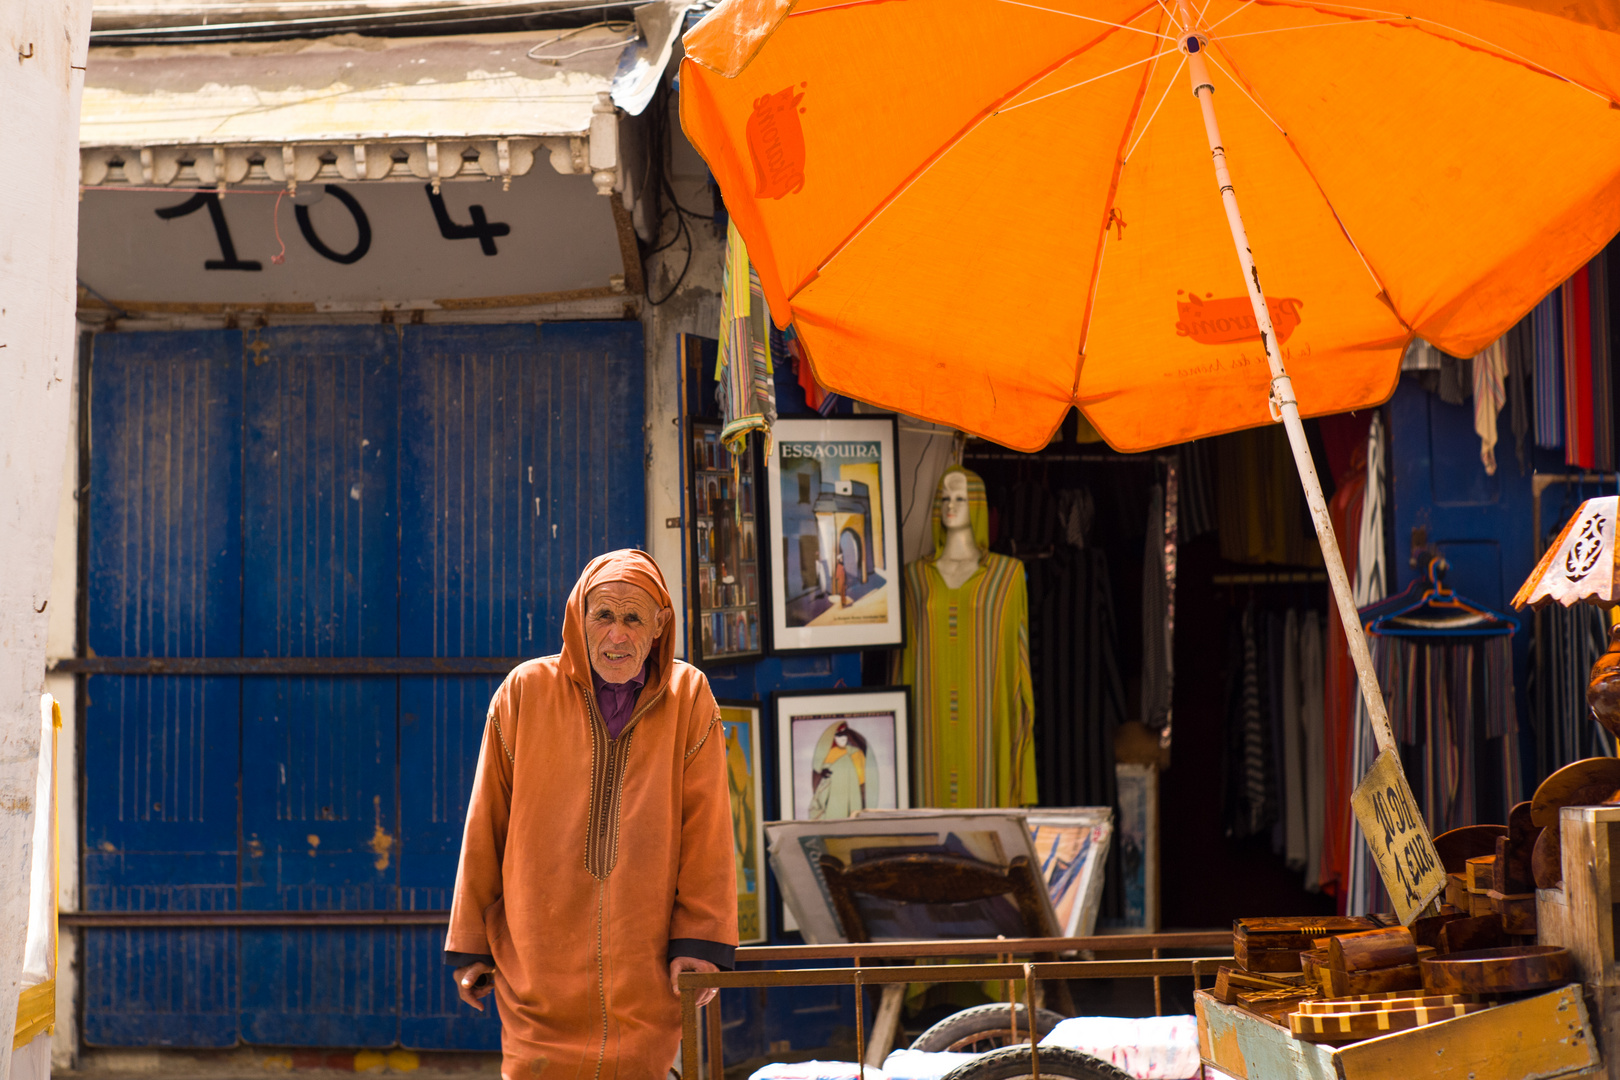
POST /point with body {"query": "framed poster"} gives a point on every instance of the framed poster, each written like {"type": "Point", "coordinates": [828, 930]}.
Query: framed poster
{"type": "Point", "coordinates": [993, 839]}
{"type": "Point", "coordinates": [744, 750]}
{"type": "Point", "coordinates": [840, 752]}
{"type": "Point", "coordinates": [835, 534]}
{"type": "Point", "coordinates": [725, 551]}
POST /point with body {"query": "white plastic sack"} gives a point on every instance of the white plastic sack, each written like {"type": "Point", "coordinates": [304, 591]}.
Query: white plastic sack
{"type": "Point", "coordinates": [817, 1070]}
{"type": "Point", "coordinates": [923, 1064]}
{"type": "Point", "coordinates": [1150, 1048]}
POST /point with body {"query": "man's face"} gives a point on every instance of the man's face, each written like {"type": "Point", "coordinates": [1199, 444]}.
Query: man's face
{"type": "Point", "coordinates": [621, 624]}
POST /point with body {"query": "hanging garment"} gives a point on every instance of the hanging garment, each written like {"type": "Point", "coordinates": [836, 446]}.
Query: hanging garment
{"type": "Point", "coordinates": [1490, 391]}
{"type": "Point", "coordinates": [744, 372]}
{"type": "Point", "coordinates": [1197, 499]}
{"type": "Point", "coordinates": [967, 663]}
{"type": "Point", "coordinates": [1521, 346]}
{"type": "Point", "coordinates": [1567, 642]}
{"type": "Point", "coordinates": [1447, 717]}
{"type": "Point", "coordinates": [1074, 668]}
{"type": "Point", "coordinates": [1250, 802]}
{"type": "Point", "coordinates": [1312, 702]}
{"type": "Point", "coordinates": [1575, 322]}
{"type": "Point", "coordinates": [1364, 889]}
{"type": "Point", "coordinates": [1456, 380]}
{"type": "Point", "coordinates": [1340, 687]}
{"type": "Point", "coordinates": [1294, 797]}
{"type": "Point", "coordinates": [1603, 382]}
{"type": "Point", "coordinates": [1259, 506]}
{"type": "Point", "coordinates": [1546, 326]}
{"type": "Point", "coordinates": [1157, 673]}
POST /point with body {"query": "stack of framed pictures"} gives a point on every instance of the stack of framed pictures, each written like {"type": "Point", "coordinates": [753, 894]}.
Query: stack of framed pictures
{"type": "Point", "coordinates": [809, 560]}
{"type": "Point", "coordinates": [726, 625]}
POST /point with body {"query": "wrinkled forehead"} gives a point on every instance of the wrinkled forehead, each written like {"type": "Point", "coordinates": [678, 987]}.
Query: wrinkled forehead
{"type": "Point", "coordinates": [620, 596]}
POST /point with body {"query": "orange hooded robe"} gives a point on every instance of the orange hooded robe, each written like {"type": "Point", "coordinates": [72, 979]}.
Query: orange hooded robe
{"type": "Point", "coordinates": [589, 862]}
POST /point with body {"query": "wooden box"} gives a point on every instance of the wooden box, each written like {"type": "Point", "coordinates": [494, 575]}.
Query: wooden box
{"type": "Point", "coordinates": [1274, 944]}
{"type": "Point", "coordinates": [1545, 1037]}
{"type": "Point", "coordinates": [1581, 915]}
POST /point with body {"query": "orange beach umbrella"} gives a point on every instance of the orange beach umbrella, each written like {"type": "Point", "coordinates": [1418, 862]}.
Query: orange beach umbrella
{"type": "Point", "coordinates": [984, 212]}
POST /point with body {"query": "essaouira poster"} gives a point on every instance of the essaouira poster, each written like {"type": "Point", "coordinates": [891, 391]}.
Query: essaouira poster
{"type": "Point", "coordinates": [835, 567]}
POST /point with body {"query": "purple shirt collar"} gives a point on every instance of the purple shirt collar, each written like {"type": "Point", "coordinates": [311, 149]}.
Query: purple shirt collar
{"type": "Point", "coordinates": [617, 700]}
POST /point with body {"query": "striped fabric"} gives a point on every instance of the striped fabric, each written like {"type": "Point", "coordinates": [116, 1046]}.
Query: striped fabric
{"type": "Point", "coordinates": [1603, 387]}
{"type": "Point", "coordinates": [1546, 327]}
{"type": "Point", "coordinates": [1255, 734]}
{"type": "Point", "coordinates": [1449, 700]}
{"type": "Point", "coordinates": [1575, 300]}
{"type": "Point", "coordinates": [745, 373]}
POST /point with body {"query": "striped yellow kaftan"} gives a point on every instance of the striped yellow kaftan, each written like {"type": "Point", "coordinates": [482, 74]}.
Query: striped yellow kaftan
{"type": "Point", "coordinates": [967, 662]}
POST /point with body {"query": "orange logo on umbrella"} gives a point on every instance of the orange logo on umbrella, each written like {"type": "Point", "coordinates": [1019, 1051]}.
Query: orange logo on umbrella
{"type": "Point", "coordinates": [776, 143]}
{"type": "Point", "coordinates": [1230, 319]}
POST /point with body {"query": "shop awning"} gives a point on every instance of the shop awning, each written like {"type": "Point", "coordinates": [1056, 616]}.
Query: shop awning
{"type": "Point", "coordinates": [350, 108]}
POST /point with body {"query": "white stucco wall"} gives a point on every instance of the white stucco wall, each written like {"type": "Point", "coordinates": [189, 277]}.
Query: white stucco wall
{"type": "Point", "coordinates": [42, 50]}
{"type": "Point", "coordinates": [693, 309]}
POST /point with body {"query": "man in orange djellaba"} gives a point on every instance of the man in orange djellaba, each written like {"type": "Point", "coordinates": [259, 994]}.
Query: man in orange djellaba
{"type": "Point", "coordinates": [597, 862]}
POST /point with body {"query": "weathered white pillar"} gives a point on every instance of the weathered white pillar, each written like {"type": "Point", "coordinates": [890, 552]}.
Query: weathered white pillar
{"type": "Point", "coordinates": [42, 58]}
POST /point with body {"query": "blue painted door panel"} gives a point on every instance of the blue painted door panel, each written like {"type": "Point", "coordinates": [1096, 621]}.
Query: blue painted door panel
{"type": "Point", "coordinates": [520, 460]}
{"type": "Point", "coordinates": [161, 753]}
{"type": "Point", "coordinates": [355, 491]}
{"type": "Point", "coordinates": [319, 798]}
{"type": "Point", "coordinates": [1480, 523]}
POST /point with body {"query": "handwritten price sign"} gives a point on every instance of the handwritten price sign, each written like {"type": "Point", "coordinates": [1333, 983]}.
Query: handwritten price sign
{"type": "Point", "coordinates": [1398, 838]}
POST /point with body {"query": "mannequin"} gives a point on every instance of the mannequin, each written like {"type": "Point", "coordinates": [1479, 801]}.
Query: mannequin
{"type": "Point", "coordinates": [959, 559]}
{"type": "Point", "coordinates": [967, 660]}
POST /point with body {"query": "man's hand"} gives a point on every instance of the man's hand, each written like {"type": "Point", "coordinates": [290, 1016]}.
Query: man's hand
{"type": "Point", "coordinates": [466, 977]}
{"type": "Point", "coordinates": [690, 963]}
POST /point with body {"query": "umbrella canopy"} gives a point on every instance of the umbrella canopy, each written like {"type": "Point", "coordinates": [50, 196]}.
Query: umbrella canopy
{"type": "Point", "coordinates": [983, 212]}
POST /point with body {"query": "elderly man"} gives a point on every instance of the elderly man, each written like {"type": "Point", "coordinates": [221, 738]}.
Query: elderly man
{"type": "Point", "coordinates": [597, 862]}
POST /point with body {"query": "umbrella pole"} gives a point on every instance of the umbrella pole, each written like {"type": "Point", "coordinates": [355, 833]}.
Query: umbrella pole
{"type": "Point", "coordinates": [1283, 405]}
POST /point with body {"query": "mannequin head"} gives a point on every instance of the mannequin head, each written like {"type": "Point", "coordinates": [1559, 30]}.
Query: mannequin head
{"type": "Point", "coordinates": [953, 502]}
{"type": "Point", "coordinates": [959, 504]}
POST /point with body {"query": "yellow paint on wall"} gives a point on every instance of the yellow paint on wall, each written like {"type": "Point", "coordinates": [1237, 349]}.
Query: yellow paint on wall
{"type": "Point", "coordinates": [370, 1061]}
{"type": "Point", "coordinates": [403, 1061]}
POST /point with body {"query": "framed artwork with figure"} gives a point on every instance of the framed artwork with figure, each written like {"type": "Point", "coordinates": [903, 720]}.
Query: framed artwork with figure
{"type": "Point", "coordinates": [834, 519]}
{"type": "Point", "coordinates": [725, 581]}
{"type": "Point", "coordinates": [841, 752]}
{"type": "Point", "coordinates": [744, 736]}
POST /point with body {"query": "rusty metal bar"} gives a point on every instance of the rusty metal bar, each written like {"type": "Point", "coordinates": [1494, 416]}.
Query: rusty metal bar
{"type": "Point", "coordinates": [1198, 939]}
{"type": "Point", "coordinates": [285, 665]}
{"type": "Point", "coordinates": [689, 1032]}
{"type": "Point", "coordinates": [941, 973]}
{"type": "Point", "coordinates": [193, 920]}
{"type": "Point", "coordinates": [1034, 1030]}
{"type": "Point", "coordinates": [717, 1053]}
{"type": "Point", "coordinates": [1158, 990]}
{"type": "Point", "coordinates": [1216, 939]}
{"type": "Point", "coordinates": [860, 1022]}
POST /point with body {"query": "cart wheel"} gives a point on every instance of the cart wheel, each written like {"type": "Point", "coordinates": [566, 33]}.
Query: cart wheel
{"type": "Point", "coordinates": [982, 1028]}
{"type": "Point", "coordinates": [1013, 1063]}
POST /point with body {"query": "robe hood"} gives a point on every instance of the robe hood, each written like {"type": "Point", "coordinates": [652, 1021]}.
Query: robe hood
{"type": "Point", "coordinates": [635, 568]}
{"type": "Point", "coordinates": [978, 511]}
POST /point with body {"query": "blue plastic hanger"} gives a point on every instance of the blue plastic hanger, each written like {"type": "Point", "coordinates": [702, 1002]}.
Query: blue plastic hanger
{"type": "Point", "coordinates": [1427, 609]}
